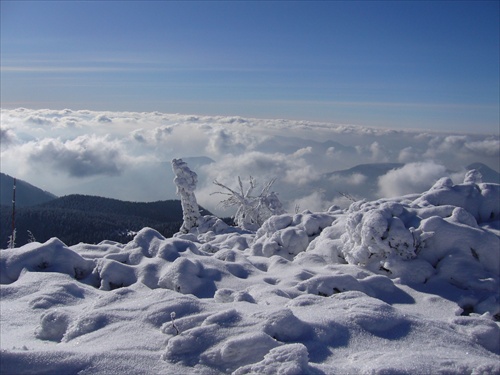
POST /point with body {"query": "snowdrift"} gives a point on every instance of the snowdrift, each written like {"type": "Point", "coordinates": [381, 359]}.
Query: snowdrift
{"type": "Point", "coordinates": [395, 286]}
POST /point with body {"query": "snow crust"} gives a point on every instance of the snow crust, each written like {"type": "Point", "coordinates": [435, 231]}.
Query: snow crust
{"type": "Point", "coordinates": [407, 285]}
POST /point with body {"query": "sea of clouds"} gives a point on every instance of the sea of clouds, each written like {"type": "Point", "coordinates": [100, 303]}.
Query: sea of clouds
{"type": "Point", "coordinates": [126, 155]}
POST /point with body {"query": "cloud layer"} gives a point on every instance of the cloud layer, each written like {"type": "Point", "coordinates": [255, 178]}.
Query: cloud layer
{"type": "Point", "coordinates": [127, 154]}
{"type": "Point", "coordinates": [84, 156]}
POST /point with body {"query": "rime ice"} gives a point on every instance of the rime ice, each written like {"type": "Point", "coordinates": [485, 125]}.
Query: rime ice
{"type": "Point", "coordinates": [186, 180]}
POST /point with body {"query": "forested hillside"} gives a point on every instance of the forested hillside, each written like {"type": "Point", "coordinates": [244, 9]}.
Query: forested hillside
{"type": "Point", "coordinates": [90, 219]}
{"type": "Point", "coordinates": [26, 194]}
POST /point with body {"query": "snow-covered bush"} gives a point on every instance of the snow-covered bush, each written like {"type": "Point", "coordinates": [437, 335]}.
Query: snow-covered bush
{"type": "Point", "coordinates": [439, 233]}
{"type": "Point", "coordinates": [252, 210]}
{"type": "Point", "coordinates": [482, 200]}
{"type": "Point", "coordinates": [376, 233]}
{"type": "Point", "coordinates": [473, 177]}
{"type": "Point", "coordinates": [288, 235]}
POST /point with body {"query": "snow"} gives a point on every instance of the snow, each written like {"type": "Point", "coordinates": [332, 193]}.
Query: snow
{"type": "Point", "coordinates": [186, 180]}
{"type": "Point", "coordinates": [404, 285]}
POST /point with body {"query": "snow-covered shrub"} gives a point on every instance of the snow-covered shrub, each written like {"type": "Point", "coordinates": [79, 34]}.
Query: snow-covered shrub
{"type": "Point", "coordinates": [436, 235]}
{"type": "Point", "coordinates": [376, 233]}
{"type": "Point", "coordinates": [288, 235]}
{"type": "Point", "coordinates": [482, 200]}
{"type": "Point", "coordinates": [213, 224]}
{"type": "Point", "coordinates": [12, 240]}
{"type": "Point", "coordinates": [473, 177]}
{"type": "Point", "coordinates": [252, 210]}
{"type": "Point", "coordinates": [186, 180]}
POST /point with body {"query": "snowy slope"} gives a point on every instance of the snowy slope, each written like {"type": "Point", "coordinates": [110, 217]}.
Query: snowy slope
{"type": "Point", "coordinates": [407, 285]}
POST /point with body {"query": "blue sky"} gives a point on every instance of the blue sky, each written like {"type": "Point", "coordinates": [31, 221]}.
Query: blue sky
{"type": "Point", "coordinates": [432, 65]}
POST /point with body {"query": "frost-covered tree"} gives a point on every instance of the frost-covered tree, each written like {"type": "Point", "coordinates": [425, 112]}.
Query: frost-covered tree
{"type": "Point", "coordinates": [252, 210]}
{"type": "Point", "coordinates": [31, 237]}
{"type": "Point", "coordinates": [186, 180]}
{"type": "Point", "coordinates": [12, 240]}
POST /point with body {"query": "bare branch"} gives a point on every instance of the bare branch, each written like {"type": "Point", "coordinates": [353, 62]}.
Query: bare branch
{"type": "Point", "coordinates": [225, 187]}
{"type": "Point", "coordinates": [251, 211]}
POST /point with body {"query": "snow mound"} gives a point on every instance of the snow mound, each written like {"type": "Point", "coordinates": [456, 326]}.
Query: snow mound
{"type": "Point", "coordinates": [481, 200]}
{"type": "Point", "coordinates": [52, 256]}
{"type": "Point", "coordinates": [288, 235]}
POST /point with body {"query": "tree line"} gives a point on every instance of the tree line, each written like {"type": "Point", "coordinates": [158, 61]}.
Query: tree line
{"type": "Point", "coordinates": [89, 219]}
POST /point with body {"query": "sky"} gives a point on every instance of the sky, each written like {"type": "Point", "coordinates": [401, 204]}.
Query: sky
{"type": "Point", "coordinates": [421, 65]}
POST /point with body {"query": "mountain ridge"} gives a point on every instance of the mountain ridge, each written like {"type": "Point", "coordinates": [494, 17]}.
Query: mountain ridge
{"type": "Point", "coordinates": [26, 193]}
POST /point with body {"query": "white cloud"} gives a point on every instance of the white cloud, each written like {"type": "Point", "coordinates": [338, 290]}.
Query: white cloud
{"type": "Point", "coordinates": [56, 149]}
{"type": "Point", "coordinates": [488, 147]}
{"type": "Point", "coordinates": [223, 140]}
{"type": "Point", "coordinates": [303, 151]}
{"type": "Point", "coordinates": [331, 152]}
{"type": "Point", "coordinates": [7, 137]}
{"type": "Point", "coordinates": [81, 157]}
{"type": "Point", "coordinates": [412, 178]}
{"type": "Point", "coordinates": [260, 165]}
{"type": "Point", "coordinates": [313, 202]}
{"type": "Point", "coordinates": [408, 154]}
{"type": "Point", "coordinates": [354, 179]}
{"type": "Point", "coordinates": [139, 136]}
{"type": "Point", "coordinates": [39, 120]}
{"type": "Point", "coordinates": [161, 132]}
{"type": "Point", "coordinates": [378, 152]}
{"type": "Point", "coordinates": [103, 119]}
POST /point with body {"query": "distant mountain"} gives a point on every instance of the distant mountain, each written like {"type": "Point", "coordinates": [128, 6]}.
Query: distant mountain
{"type": "Point", "coordinates": [26, 194]}
{"type": "Point", "coordinates": [489, 175]}
{"type": "Point", "coordinates": [90, 219]}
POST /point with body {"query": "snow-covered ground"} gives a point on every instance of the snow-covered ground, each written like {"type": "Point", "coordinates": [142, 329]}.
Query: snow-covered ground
{"type": "Point", "coordinates": [406, 285]}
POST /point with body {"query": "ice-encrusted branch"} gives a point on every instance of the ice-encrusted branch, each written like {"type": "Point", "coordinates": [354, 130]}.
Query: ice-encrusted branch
{"type": "Point", "coordinates": [252, 211]}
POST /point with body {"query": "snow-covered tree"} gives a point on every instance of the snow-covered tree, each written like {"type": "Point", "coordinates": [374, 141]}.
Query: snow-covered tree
{"type": "Point", "coordinates": [186, 180]}
{"type": "Point", "coordinates": [252, 210]}
{"type": "Point", "coordinates": [12, 240]}
{"type": "Point", "coordinates": [31, 237]}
